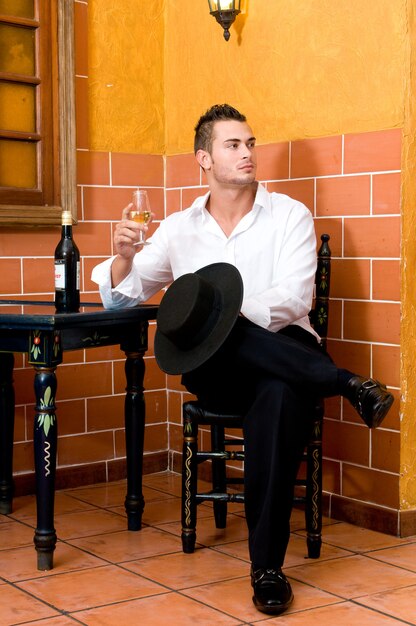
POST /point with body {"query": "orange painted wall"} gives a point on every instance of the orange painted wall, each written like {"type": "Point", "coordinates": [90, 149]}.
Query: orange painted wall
{"type": "Point", "coordinates": [297, 69]}
{"type": "Point", "coordinates": [332, 137]}
{"type": "Point", "coordinates": [126, 76]}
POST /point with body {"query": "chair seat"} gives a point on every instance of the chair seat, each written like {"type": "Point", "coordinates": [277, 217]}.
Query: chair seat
{"type": "Point", "coordinates": [209, 417]}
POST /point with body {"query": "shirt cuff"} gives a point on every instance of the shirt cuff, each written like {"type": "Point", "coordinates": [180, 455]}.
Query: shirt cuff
{"type": "Point", "coordinates": [127, 292]}
{"type": "Point", "coordinates": [101, 274]}
{"type": "Point", "coordinates": [256, 312]}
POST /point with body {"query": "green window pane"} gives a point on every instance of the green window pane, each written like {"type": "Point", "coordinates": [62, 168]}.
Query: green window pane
{"type": "Point", "coordinates": [18, 164]}
{"type": "Point", "coordinates": [18, 8]}
{"type": "Point", "coordinates": [17, 49]}
{"type": "Point", "coordinates": [17, 107]}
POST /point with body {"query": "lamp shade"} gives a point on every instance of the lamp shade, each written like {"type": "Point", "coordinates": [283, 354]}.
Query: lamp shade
{"type": "Point", "coordinates": [224, 5]}
{"type": "Point", "coordinates": [225, 12]}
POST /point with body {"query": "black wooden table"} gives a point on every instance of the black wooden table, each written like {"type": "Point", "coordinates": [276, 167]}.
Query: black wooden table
{"type": "Point", "coordinates": [35, 329]}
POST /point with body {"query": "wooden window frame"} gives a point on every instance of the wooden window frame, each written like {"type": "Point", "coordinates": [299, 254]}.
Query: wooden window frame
{"type": "Point", "coordinates": [65, 194]}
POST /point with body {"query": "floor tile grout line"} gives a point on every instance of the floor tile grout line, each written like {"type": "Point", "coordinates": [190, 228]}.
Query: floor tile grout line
{"type": "Point", "coordinates": [317, 562]}
{"type": "Point", "coordinates": [103, 532]}
{"type": "Point", "coordinates": [56, 574]}
{"type": "Point", "coordinates": [399, 620]}
{"type": "Point", "coordinates": [393, 588]}
{"type": "Point", "coordinates": [239, 558]}
{"type": "Point", "coordinates": [354, 600]}
{"type": "Point", "coordinates": [180, 589]}
{"type": "Point", "coordinates": [19, 521]}
{"type": "Point", "coordinates": [343, 601]}
{"type": "Point", "coordinates": [15, 585]}
{"type": "Point", "coordinates": [110, 562]}
{"type": "Point", "coordinates": [400, 567]}
{"type": "Point", "coordinates": [208, 605]}
{"type": "Point", "coordinates": [166, 589]}
{"type": "Point", "coordinates": [369, 555]}
{"type": "Point", "coordinates": [121, 504]}
{"type": "Point", "coordinates": [213, 582]}
{"type": "Point", "coordinates": [355, 552]}
{"type": "Point", "coordinates": [309, 609]}
{"type": "Point", "coordinates": [117, 602]}
{"type": "Point", "coordinates": [154, 595]}
{"type": "Point", "coordinates": [315, 586]}
{"type": "Point", "coordinates": [394, 547]}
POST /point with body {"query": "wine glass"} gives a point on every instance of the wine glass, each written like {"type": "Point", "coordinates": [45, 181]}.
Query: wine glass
{"type": "Point", "coordinates": [140, 213]}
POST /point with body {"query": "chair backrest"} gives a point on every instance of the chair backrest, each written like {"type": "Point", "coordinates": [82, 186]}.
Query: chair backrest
{"type": "Point", "coordinates": [319, 312]}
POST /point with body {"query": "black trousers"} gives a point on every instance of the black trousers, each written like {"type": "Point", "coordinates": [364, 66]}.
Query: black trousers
{"type": "Point", "coordinates": [273, 379]}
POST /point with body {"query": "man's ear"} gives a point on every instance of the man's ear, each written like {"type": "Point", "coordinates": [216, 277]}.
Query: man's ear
{"type": "Point", "coordinates": [204, 159]}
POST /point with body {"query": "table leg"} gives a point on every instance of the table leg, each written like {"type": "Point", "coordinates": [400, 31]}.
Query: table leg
{"type": "Point", "coordinates": [6, 431]}
{"type": "Point", "coordinates": [45, 440]}
{"type": "Point", "coordinates": [134, 413]}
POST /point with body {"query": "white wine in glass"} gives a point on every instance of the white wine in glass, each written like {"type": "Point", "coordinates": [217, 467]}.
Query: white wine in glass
{"type": "Point", "coordinates": [141, 213]}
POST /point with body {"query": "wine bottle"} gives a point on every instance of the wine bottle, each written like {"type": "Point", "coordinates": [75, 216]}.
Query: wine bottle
{"type": "Point", "coordinates": [67, 269]}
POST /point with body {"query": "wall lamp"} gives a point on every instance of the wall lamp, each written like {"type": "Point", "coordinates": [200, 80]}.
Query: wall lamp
{"type": "Point", "coordinates": [225, 12]}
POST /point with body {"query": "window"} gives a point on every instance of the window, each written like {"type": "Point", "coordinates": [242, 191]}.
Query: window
{"type": "Point", "coordinates": [37, 125]}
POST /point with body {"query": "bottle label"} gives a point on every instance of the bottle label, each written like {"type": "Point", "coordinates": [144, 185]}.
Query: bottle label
{"type": "Point", "coordinates": [60, 275]}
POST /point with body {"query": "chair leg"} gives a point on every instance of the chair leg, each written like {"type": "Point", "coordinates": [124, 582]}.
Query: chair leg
{"type": "Point", "coordinates": [219, 480]}
{"type": "Point", "coordinates": [189, 483]}
{"type": "Point", "coordinates": [313, 509]}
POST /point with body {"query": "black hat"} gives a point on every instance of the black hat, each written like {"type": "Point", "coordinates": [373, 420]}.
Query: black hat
{"type": "Point", "coordinates": [196, 315]}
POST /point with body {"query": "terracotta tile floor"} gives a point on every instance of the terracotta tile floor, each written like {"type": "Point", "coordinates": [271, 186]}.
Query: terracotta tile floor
{"type": "Point", "coordinates": [105, 575]}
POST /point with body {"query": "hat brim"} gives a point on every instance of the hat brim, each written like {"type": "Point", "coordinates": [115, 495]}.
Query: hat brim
{"type": "Point", "coordinates": [228, 281]}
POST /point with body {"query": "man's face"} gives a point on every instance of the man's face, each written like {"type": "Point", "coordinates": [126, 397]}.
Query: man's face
{"type": "Point", "coordinates": [233, 155]}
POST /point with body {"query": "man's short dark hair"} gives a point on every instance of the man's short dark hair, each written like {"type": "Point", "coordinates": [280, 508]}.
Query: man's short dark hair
{"type": "Point", "coordinates": [204, 128]}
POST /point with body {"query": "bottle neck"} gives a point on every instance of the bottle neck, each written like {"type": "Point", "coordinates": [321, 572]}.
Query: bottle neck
{"type": "Point", "coordinates": [66, 231]}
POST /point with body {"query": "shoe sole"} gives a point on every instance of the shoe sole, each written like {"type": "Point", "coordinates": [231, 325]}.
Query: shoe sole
{"type": "Point", "coordinates": [381, 411]}
{"type": "Point", "coordinates": [272, 610]}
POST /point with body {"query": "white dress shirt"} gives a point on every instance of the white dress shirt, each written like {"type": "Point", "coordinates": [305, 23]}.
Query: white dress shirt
{"type": "Point", "coordinates": [273, 247]}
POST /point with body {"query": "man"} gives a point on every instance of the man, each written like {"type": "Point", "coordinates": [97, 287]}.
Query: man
{"type": "Point", "coordinates": [271, 365]}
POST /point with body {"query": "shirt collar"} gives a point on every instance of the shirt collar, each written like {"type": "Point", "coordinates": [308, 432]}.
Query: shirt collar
{"type": "Point", "coordinates": [262, 199]}
{"type": "Point", "coordinates": [199, 206]}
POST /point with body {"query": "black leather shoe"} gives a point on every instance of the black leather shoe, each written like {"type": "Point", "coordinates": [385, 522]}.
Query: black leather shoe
{"type": "Point", "coordinates": [272, 591]}
{"type": "Point", "coordinates": [370, 398]}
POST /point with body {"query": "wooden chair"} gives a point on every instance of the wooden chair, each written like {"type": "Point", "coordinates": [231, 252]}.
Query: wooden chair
{"type": "Point", "coordinates": [194, 415]}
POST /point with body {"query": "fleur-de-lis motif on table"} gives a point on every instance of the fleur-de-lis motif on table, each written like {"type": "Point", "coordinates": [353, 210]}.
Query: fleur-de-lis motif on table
{"type": "Point", "coordinates": [36, 341]}
{"type": "Point", "coordinates": [56, 344]}
{"type": "Point", "coordinates": [45, 419]}
{"type": "Point", "coordinates": [95, 340]}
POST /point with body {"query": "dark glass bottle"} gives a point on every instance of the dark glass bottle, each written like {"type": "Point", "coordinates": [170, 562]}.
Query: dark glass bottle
{"type": "Point", "coordinates": [67, 269]}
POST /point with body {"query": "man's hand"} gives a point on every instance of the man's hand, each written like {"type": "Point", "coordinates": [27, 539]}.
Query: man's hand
{"type": "Point", "coordinates": [126, 234]}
